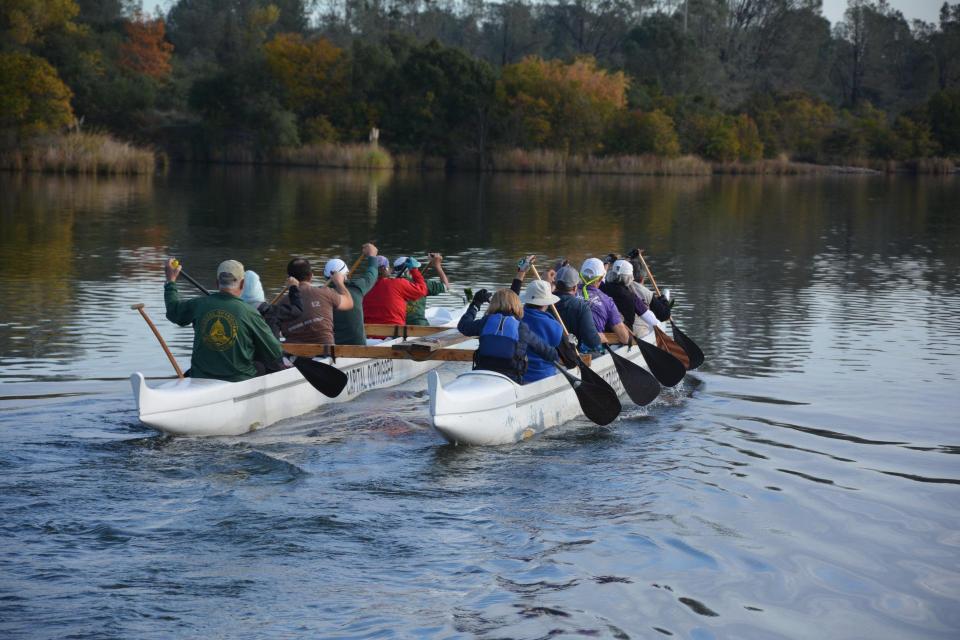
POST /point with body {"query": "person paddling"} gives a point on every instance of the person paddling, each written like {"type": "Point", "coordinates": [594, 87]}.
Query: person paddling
{"type": "Point", "coordinates": [606, 316]}
{"type": "Point", "coordinates": [505, 341]}
{"type": "Point", "coordinates": [636, 315]}
{"type": "Point", "coordinates": [575, 311]}
{"type": "Point", "coordinates": [315, 324]}
{"type": "Point", "coordinates": [417, 309]}
{"type": "Point", "coordinates": [229, 336]}
{"type": "Point", "coordinates": [387, 301]}
{"type": "Point", "coordinates": [348, 323]}
{"type": "Point", "coordinates": [288, 308]}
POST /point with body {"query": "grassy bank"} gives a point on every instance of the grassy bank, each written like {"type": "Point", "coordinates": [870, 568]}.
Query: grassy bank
{"type": "Point", "coordinates": [88, 153]}
{"type": "Point", "coordinates": [546, 161]}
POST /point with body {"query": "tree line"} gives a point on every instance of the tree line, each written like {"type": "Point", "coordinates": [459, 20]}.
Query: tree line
{"type": "Point", "coordinates": [723, 79]}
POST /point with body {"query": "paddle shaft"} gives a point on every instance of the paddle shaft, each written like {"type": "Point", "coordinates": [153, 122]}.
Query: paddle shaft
{"type": "Point", "coordinates": [156, 332]}
{"type": "Point", "coordinates": [194, 282]}
{"type": "Point", "coordinates": [552, 307]}
{"type": "Point", "coordinates": [649, 273]}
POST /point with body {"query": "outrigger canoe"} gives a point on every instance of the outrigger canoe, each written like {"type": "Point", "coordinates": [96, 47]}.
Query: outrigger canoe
{"type": "Point", "coordinates": [488, 408]}
{"type": "Point", "coordinates": [199, 407]}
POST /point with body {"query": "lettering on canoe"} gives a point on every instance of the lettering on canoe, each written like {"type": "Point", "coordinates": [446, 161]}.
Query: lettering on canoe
{"type": "Point", "coordinates": [373, 374]}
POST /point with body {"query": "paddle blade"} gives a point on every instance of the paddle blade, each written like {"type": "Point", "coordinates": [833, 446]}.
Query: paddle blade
{"type": "Point", "coordinates": [599, 404]}
{"type": "Point", "coordinates": [667, 369]}
{"type": "Point", "coordinates": [328, 380]}
{"type": "Point", "coordinates": [671, 347]}
{"type": "Point", "coordinates": [688, 345]}
{"type": "Point", "coordinates": [639, 384]}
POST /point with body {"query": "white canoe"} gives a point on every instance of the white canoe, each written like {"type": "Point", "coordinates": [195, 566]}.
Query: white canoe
{"type": "Point", "coordinates": [199, 407]}
{"type": "Point", "coordinates": [488, 408]}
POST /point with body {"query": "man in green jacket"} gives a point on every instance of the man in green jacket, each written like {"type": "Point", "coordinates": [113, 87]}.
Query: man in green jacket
{"type": "Point", "coordinates": [417, 309]}
{"type": "Point", "coordinates": [230, 338]}
{"type": "Point", "coordinates": [348, 325]}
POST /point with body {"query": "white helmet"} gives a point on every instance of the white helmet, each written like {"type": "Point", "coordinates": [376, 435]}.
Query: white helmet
{"type": "Point", "coordinates": [336, 265]}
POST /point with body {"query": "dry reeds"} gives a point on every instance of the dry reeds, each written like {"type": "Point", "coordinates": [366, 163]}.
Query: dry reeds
{"type": "Point", "coordinates": [546, 161]}
{"type": "Point", "coordinates": [89, 153]}
{"type": "Point", "coordinates": [341, 156]}
{"type": "Point", "coordinates": [770, 166]}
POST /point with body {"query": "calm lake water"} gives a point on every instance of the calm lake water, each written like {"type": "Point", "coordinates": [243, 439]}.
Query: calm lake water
{"type": "Point", "coordinates": [801, 484]}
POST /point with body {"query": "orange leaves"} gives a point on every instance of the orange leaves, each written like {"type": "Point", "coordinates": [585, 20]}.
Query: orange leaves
{"type": "Point", "coordinates": [560, 105]}
{"type": "Point", "coordinates": [312, 72]}
{"type": "Point", "coordinates": [145, 50]}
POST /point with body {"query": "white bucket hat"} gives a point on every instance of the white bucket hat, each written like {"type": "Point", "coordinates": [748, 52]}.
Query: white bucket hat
{"type": "Point", "coordinates": [592, 268]}
{"type": "Point", "coordinates": [336, 265]}
{"type": "Point", "coordinates": [538, 293]}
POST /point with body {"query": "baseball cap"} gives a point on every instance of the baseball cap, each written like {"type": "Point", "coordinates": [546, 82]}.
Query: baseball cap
{"type": "Point", "coordinates": [592, 268]}
{"type": "Point", "coordinates": [568, 276]}
{"type": "Point", "coordinates": [230, 268]}
{"type": "Point", "coordinates": [538, 293]}
{"type": "Point", "coordinates": [622, 268]}
{"type": "Point", "coordinates": [382, 262]}
{"type": "Point", "coordinates": [399, 262]}
{"type": "Point", "coordinates": [335, 265]}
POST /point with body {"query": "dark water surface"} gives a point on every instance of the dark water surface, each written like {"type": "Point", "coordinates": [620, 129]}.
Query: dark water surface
{"type": "Point", "coordinates": [802, 484]}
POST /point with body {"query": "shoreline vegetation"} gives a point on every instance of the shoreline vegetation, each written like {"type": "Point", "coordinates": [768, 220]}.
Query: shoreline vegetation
{"type": "Point", "coordinates": [759, 87]}
{"type": "Point", "coordinates": [102, 154]}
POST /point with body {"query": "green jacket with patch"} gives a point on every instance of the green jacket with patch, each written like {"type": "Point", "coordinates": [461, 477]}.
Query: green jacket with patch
{"type": "Point", "coordinates": [348, 325]}
{"type": "Point", "coordinates": [228, 334]}
{"type": "Point", "coordinates": [417, 309]}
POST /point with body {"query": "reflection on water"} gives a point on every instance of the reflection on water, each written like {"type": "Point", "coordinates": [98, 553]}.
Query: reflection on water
{"type": "Point", "coordinates": [804, 479]}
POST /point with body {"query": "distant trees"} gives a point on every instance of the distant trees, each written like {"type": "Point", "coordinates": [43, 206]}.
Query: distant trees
{"type": "Point", "coordinates": [726, 79]}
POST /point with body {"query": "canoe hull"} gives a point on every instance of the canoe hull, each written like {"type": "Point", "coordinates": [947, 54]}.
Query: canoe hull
{"type": "Point", "coordinates": [487, 408]}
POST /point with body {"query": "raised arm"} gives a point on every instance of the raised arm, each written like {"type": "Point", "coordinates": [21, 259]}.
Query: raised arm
{"type": "Point", "coordinates": [178, 311]}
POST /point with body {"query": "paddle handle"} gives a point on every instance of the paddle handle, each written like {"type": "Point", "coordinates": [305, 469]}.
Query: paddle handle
{"type": "Point", "coordinates": [153, 327]}
{"type": "Point", "coordinates": [649, 273]}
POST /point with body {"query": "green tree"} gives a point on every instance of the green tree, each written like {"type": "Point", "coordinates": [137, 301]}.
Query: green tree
{"type": "Point", "coordinates": [637, 132]}
{"type": "Point", "coordinates": [33, 99]}
{"type": "Point", "coordinates": [944, 113]}
{"type": "Point", "coordinates": [27, 22]}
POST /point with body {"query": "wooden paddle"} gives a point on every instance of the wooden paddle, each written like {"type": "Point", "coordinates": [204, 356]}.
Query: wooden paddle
{"type": "Point", "coordinates": [597, 398]}
{"type": "Point", "coordinates": [693, 353]}
{"type": "Point", "coordinates": [153, 327]}
{"type": "Point", "coordinates": [328, 380]}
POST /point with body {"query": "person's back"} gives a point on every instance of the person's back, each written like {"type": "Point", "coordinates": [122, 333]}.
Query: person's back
{"type": "Point", "coordinates": [545, 326]}
{"type": "Point", "coordinates": [315, 324]}
{"type": "Point", "coordinates": [574, 311]}
{"type": "Point", "coordinates": [417, 309]}
{"type": "Point", "coordinates": [387, 301]}
{"type": "Point", "coordinates": [348, 324]}
{"type": "Point", "coordinates": [229, 335]}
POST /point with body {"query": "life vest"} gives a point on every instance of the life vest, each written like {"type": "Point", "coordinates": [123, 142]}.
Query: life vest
{"type": "Point", "coordinates": [500, 346]}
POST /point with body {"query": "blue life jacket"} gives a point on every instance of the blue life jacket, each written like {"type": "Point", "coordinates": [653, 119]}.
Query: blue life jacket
{"type": "Point", "coordinates": [547, 329]}
{"type": "Point", "coordinates": [500, 347]}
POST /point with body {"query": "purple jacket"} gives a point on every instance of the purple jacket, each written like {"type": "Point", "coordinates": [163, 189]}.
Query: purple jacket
{"type": "Point", "coordinates": [605, 312]}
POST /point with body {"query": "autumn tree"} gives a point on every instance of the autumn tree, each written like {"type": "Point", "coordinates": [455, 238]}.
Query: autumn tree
{"type": "Point", "coordinates": [145, 50]}
{"type": "Point", "coordinates": [643, 132]}
{"type": "Point", "coordinates": [559, 106]}
{"type": "Point", "coordinates": [26, 22]}
{"type": "Point", "coordinates": [33, 99]}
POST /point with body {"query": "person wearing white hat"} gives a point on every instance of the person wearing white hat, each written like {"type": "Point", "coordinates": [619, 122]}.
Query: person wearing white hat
{"type": "Point", "coordinates": [315, 324]}
{"type": "Point", "coordinates": [348, 323]}
{"type": "Point", "coordinates": [536, 298]}
{"type": "Point", "coordinates": [606, 316]}
{"type": "Point", "coordinates": [636, 315]}
{"type": "Point", "coordinates": [417, 309]}
{"type": "Point", "coordinates": [229, 337]}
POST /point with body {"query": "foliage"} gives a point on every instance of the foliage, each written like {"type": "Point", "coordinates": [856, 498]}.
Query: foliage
{"type": "Point", "coordinates": [26, 22]}
{"type": "Point", "coordinates": [944, 113]}
{"type": "Point", "coordinates": [33, 99]}
{"type": "Point", "coordinates": [145, 51]}
{"type": "Point", "coordinates": [559, 106]}
{"type": "Point", "coordinates": [638, 132]}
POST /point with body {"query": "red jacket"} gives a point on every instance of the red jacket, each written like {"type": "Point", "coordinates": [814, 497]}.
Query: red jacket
{"type": "Point", "coordinates": [386, 303]}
